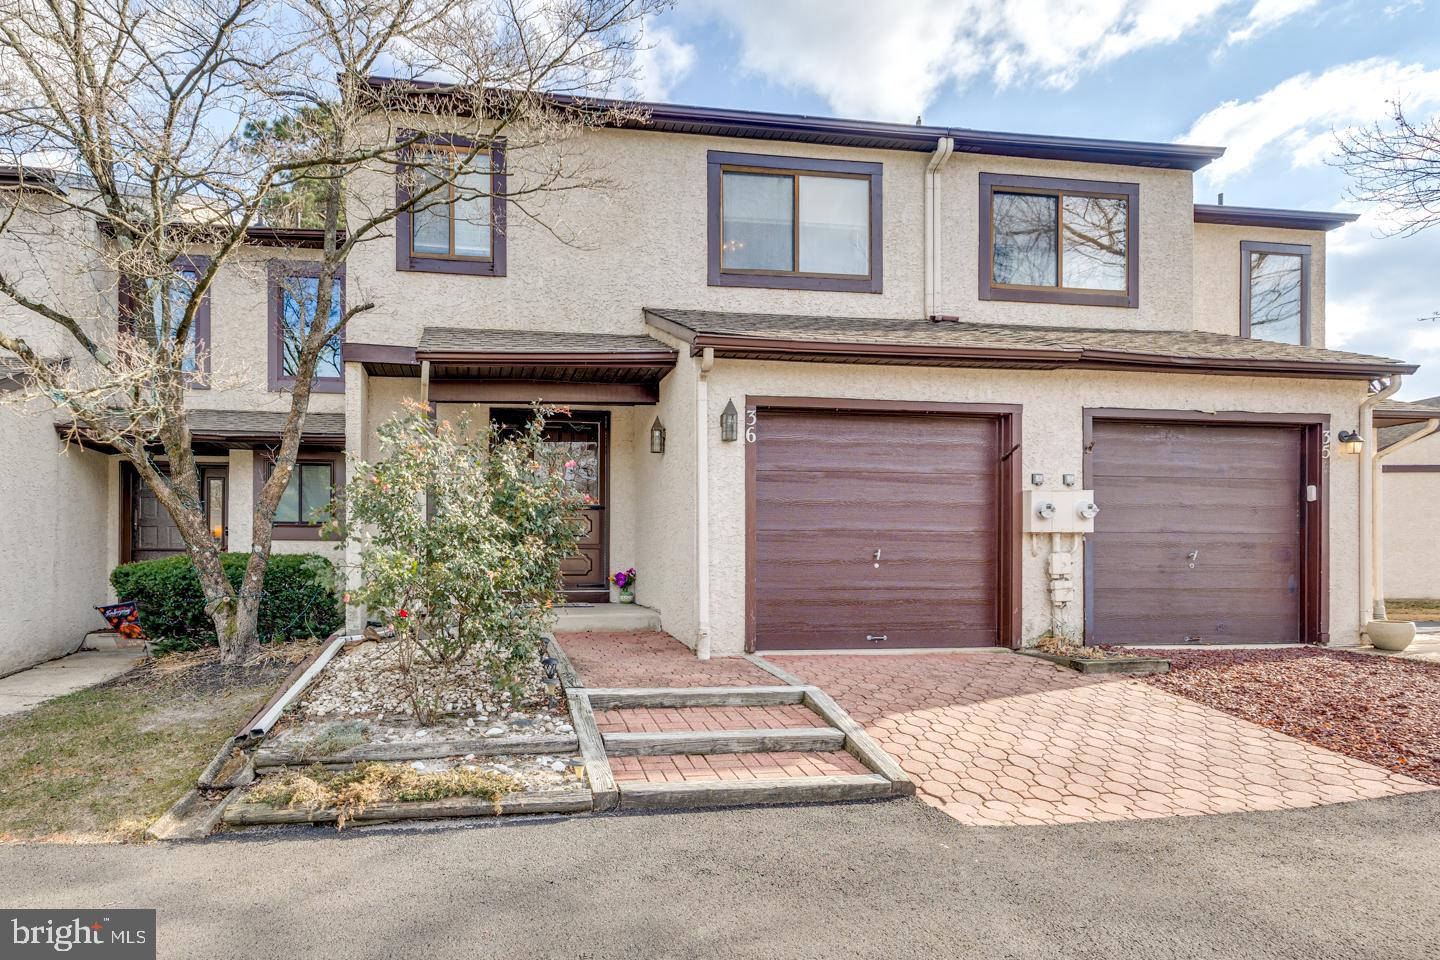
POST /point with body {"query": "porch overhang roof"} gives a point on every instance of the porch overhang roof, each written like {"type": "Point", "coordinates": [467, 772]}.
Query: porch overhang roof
{"type": "Point", "coordinates": [953, 343]}
{"type": "Point", "coordinates": [216, 431]}
{"type": "Point", "coordinates": [1397, 413]}
{"type": "Point", "coordinates": [517, 361]}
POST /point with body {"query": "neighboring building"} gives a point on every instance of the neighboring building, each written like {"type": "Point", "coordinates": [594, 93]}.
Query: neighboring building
{"type": "Point", "coordinates": [913, 326]}
{"type": "Point", "coordinates": [1410, 488]}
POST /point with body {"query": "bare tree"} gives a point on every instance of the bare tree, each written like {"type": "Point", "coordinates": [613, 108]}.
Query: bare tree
{"type": "Point", "coordinates": [183, 124]}
{"type": "Point", "coordinates": [1396, 164]}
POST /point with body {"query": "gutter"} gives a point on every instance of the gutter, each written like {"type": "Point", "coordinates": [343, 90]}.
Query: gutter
{"type": "Point", "coordinates": [1368, 454]}
{"type": "Point", "coordinates": [305, 671]}
{"type": "Point", "coordinates": [1377, 509]}
{"type": "Point", "coordinates": [944, 147]}
{"type": "Point", "coordinates": [702, 505]}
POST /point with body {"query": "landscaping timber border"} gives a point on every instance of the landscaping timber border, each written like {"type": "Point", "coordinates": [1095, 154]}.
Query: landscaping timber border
{"type": "Point", "coordinates": [566, 801]}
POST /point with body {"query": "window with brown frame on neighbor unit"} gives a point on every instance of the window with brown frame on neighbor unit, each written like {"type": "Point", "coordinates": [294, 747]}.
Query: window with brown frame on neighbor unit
{"type": "Point", "coordinates": [314, 482]}
{"type": "Point", "coordinates": [293, 296]}
{"type": "Point", "coordinates": [1275, 292]}
{"type": "Point", "coordinates": [1049, 240]}
{"type": "Point", "coordinates": [796, 224]}
{"type": "Point", "coordinates": [168, 297]}
{"type": "Point", "coordinates": [458, 225]}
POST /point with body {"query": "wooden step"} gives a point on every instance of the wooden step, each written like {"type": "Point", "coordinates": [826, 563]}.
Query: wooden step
{"type": "Point", "coordinates": [731, 793]}
{"type": "Point", "coordinates": [608, 698]}
{"type": "Point", "coordinates": [785, 740]}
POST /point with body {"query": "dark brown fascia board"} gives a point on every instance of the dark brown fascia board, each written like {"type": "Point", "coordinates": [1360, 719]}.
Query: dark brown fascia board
{"type": "Point", "coordinates": [1080, 358]}
{"type": "Point", "coordinates": [41, 179]}
{"type": "Point", "coordinates": [1274, 218]}
{"type": "Point", "coordinates": [377, 353]}
{"type": "Point", "coordinates": [621, 358]}
{"type": "Point", "coordinates": [301, 237]}
{"type": "Point", "coordinates": [757, 125]}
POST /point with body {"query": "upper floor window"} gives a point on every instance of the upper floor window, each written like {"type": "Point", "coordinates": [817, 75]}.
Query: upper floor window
{"type": "Point", "coordinates": [1275, 291]}
{"type": "Point", "coordinates": [293, 297]}
{"type": "Point", "coordinates": [792, 223]}
{"type": "Point", "coordinates": [459, 226]}
{"type": "Point", "coordinates": [167, 301]}
{"type": "Point", "coordinates": [1048, 240]}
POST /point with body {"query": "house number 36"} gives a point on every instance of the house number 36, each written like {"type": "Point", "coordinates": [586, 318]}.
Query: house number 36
{"type": "Point", "coordinates": [750, 424]}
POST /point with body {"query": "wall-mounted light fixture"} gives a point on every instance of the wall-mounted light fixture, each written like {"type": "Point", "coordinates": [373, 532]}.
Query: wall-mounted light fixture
{"type": "Point", "coordinates": [730, 422]}
{"type": "Point", "coordinates": [657, 436]}
{"type": "Point", "coordinates": [1351, 442]}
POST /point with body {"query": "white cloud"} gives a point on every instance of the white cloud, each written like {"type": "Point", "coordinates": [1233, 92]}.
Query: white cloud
{"type": "Point", "coordinates": [889, 60]}
{"type": "Point", "coordinates": [1299, 116]}
{"type": "Point", "coordinates": [1266, 15]}
{"type": "Point", "coordinates": [662, 61]}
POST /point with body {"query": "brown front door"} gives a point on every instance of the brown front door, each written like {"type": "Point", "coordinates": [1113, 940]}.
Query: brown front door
{"type": "Point", "coordinates": [1200, 536]}
{"type": "Point", "coordinates": [583, 438]}
{"type": "Point", "coordinates": [150, 532]}
{"type": "Point", "coordinates": [875, 530]}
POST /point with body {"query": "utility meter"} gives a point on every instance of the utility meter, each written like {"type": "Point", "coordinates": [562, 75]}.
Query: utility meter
{"type": "Point", "coordinates": [1044, 510]}
{"type": "Point", "coordinates": [1087, 509]}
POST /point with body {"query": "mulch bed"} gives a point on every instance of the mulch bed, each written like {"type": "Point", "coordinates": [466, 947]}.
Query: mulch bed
{"type": "Point", "coordinates": [1381, 710]}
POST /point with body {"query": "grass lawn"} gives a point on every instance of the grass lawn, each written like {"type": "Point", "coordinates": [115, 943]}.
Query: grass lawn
{"type": "Point", "coordinates": [103, 763]}
{"type": "Point", "coordinates": [1406, 608]}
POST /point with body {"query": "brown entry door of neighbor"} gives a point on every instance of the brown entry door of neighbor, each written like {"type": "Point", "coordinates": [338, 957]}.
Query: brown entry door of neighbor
{"type": "Point", "coordinates": [874, 530]}
{"type": "Point", "coordinates": [150, 532]}
{"type": "Point", "coordinates": [1200, 536]}
{"type": "Point", "coordinates": [581, 438]}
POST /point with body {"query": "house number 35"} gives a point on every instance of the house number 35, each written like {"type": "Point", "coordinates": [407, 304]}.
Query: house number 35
{"type": "Point", "coordinates": [750, 424]}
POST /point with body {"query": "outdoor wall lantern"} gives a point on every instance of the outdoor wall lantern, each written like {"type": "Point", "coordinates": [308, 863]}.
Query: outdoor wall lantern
{"type": "Point", "coordinates": [730, 423]}
{"type": "Point", "coordinates": [657, 436]}
{"type": "Point", "coordinates": [1351, 442]}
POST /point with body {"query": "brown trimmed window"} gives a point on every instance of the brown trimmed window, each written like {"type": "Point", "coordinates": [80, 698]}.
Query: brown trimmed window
{"type": "Point", "coordinates": [792, 223]}
{"type": "Point", "coordinates": [460, 227]}
{"type": "Point", "coordinates": [1275, 292]}
{"type": "Point", "coordinates": [315, 482]}
{"type": "Point", "coordinates": [293, 295]}
{"type": "Point", "coordinates": [1049, 240]}
{"type": "Point", "coordinates": [176, 291]}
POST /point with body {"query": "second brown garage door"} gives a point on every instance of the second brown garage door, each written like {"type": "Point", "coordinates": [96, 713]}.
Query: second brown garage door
{"type": "Point", "coordinates": [874, 530]}
{"type": "Point", "coordinates": [1200, 536]}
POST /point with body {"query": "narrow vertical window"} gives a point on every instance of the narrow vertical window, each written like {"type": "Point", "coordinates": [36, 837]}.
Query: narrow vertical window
{"type": "Point", "coordinates": [294, 305]}
{"type": "Point", "coordinates": [1275, 292]}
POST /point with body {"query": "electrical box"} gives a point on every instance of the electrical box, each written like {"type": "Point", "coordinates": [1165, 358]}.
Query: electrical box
{"type": "Point", "coordinates": [1060, 511]}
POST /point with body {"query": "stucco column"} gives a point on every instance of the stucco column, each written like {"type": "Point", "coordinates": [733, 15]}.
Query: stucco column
{"type": "Point", "coordinates": [357, 383]}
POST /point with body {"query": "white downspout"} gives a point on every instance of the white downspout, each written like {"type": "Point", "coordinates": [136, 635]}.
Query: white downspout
{"type": "Point", "coordinates": [1367, 497]}
{"type": "Point", "coordinates": [1377, 507]}
{"type": "Point", "coordinates": [702, 505]}
{"type": "Point", "coordinates": [944, 147]}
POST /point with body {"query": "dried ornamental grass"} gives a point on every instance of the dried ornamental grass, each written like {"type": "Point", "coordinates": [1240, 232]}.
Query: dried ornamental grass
{"type": "Point", "coordinates": [350, 792]}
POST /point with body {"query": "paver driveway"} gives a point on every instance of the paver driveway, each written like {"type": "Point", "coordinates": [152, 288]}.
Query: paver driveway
{"type": "Point", "coordinates": [995, 738]}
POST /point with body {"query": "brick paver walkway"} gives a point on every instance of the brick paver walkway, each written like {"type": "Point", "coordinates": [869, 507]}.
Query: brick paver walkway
{"type": "Point", "coordinates": [994, 738]}
{"type": "Point", "coordinates": [654, 660]}
{"type": "Point", "coordinates": [734, 766]}
{"type": "Point", "coordinates": [672, 720]}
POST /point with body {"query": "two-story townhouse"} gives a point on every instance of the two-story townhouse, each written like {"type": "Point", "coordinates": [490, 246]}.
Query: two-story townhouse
{"type": "Point", "coordinates": [849, 385]}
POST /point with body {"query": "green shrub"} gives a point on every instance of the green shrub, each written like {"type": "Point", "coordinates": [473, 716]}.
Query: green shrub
{"type": "Point", "coordinates": [299, 599]}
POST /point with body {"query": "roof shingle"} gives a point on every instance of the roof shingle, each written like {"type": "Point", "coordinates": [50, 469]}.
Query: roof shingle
{"type": "Point", "coordinates": [462, 340]}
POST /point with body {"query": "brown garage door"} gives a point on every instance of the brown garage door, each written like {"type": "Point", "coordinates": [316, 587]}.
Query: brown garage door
{"type": "Point", "coordinates": [837, 493]}
{"type": "Point", "coordinates": [1200, 533]}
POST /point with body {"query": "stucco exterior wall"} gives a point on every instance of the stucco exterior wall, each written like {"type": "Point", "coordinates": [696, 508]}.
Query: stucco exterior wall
{"type": "Point", "coordinates": [643, 243]}
{"type": "Point", "coordinates": [1164, 246]}
{"type": "Point", "coordinates": [1051, 426]}
{"type": "Point", "coordinates": [1218, 271]}
{"type": "Point", "coordinates": [1411, 522]}
{"type": "Point", "coordinates": [53, 536]}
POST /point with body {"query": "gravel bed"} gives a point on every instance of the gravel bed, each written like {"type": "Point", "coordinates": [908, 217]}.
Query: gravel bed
{"type": "Point", "coordinates": [1381, 710]}
{"type": "Point", "coordinates": [362, 682]}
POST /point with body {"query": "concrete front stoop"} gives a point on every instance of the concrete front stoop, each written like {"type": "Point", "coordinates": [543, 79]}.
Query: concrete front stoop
{"type": "Point", "coordinates": [606, 617]}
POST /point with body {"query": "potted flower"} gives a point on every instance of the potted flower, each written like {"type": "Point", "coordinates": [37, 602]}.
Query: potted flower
{"type": "Point", "coordinates": [624, 580]}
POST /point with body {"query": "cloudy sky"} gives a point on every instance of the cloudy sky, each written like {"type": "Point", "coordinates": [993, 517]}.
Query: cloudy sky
{"type": "Point", "coordinates": [1269, 79]}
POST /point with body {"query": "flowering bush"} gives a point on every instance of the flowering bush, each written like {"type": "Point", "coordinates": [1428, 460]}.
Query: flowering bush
{"type": "Point", "coordinates": [624, 579]}
{"type": "Point", "coordinates": [461, 535]}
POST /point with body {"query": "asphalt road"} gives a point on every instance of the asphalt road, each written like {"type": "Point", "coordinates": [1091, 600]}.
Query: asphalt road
{"type": "Point", "coordinates": [889, 880]}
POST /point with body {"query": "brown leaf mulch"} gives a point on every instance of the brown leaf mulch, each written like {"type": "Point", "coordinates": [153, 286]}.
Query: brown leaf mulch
{"type": "Point", "coordinates": [1380, 710]}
